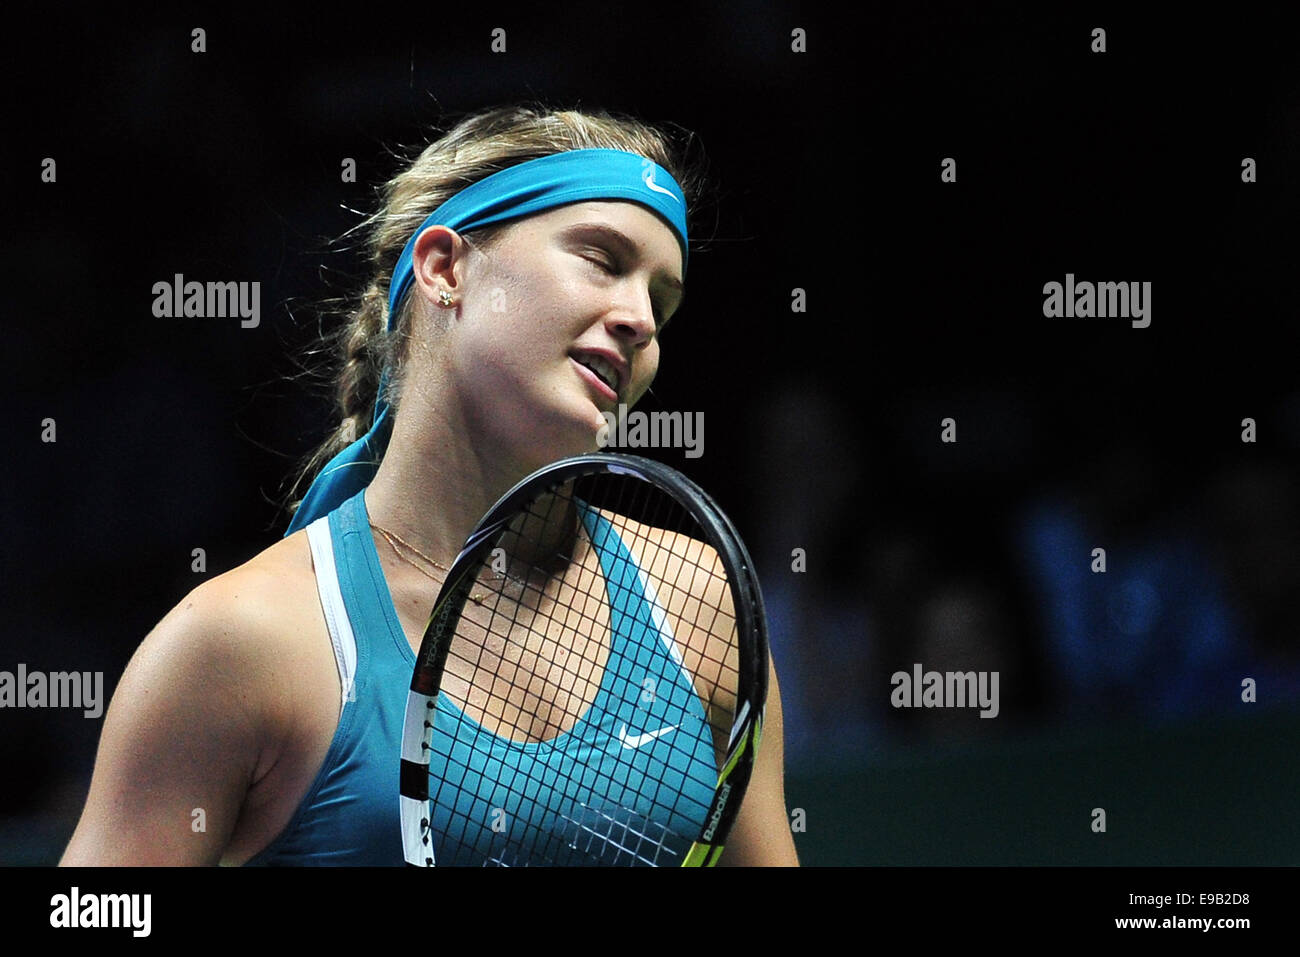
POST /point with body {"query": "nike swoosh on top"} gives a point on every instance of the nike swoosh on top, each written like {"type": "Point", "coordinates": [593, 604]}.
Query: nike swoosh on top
{"type": "Point", "coordinates": [637, 740]}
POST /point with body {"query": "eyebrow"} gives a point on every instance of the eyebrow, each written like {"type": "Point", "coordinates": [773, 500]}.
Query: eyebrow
{"type": "Point", "coordinates": [627, 245]}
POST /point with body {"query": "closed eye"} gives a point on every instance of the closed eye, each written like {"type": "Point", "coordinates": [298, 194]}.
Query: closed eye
{"type": "Point", "coordinates": [608, 267]}
{"type": "Point", "coordinates": [611, 268]}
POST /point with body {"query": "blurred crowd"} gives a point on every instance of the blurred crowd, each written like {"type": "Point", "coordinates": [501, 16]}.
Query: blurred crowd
{"type": "Point", "coordinates": [1197, 593]}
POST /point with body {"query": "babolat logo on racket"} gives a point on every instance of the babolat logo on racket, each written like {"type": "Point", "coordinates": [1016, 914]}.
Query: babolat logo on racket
{"type": "Point", "coordinates": [721, 805]}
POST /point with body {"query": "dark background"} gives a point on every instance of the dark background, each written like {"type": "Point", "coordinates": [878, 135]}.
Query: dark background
{"type": "Point", "coordinates": [924, 300]}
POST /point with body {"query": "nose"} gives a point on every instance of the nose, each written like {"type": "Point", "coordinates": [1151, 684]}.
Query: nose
{"type": "Point", "coordinates": [635, 324]}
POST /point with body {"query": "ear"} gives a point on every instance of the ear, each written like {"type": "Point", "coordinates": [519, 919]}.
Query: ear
{"type": "Point", "coordinates": [438, 263]}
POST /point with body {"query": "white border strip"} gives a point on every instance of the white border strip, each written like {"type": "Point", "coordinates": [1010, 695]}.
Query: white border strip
{"type": "Point", "coordinates": [336, 613]}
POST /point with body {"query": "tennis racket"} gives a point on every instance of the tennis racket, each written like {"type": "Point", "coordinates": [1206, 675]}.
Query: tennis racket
{"type": "Point", "coordinates": [591, 683]}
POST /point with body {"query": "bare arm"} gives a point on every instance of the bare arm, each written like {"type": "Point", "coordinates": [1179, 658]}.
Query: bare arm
{"type": "Point", "coordinates": [182, 741]}
{"type": "Point", "coordinates": [761, 834]}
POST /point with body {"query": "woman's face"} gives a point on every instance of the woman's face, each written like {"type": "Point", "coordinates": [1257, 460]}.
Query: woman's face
{"type": "Point", "coordinates": [557, 322]}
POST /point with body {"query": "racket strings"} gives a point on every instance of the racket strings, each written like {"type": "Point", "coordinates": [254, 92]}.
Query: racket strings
{"type": "Point", "coordinates": [506, 660]}
{"type": "Point", "coordinates": [531, 660]}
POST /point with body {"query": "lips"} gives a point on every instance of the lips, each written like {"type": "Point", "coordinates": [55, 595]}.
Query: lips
{"type": "Point", "coordinates": [602, 367]}
{"type": "Point", "coordinates": [607, 366]}
{"type": "Point", "coordinates": [594, 379]}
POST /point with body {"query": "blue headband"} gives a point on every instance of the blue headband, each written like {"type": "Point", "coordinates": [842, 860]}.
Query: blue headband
{"type": "Point", "coordinates": [528, 187]}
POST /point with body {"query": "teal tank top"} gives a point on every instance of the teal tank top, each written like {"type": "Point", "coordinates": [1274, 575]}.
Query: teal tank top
{"type": "Point", "coordinates": [646, 728]}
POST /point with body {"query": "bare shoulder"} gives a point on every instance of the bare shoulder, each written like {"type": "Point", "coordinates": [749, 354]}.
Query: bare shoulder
{"type": "Point", "coordinates": [258, 606]}
{"type": "Point", "coordinates": [203, 714]}
{"type": "Point", "coordinates": [261, 635]}
{"type": "Point", "coordinates": [690, 583]}
{"type": "Point", "coordinates": [687, 573]}
{"type": "Point", "coordinates": [252, 621]}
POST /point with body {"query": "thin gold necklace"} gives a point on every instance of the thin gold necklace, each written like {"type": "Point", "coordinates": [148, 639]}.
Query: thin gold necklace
{"type": "Point", "coordinates": [393, 538]}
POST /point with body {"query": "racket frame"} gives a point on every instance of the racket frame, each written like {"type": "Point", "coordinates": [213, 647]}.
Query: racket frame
{"type": "Point", "coordinates": [751, 680]}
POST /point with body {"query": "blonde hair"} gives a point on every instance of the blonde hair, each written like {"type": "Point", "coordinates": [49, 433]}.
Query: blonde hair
{"type": "Point", "coordinates": [478, 145]}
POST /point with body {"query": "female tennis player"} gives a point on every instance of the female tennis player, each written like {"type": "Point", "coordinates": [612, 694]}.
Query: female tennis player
{"type": "Point", "coordinates": [260, 721]}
